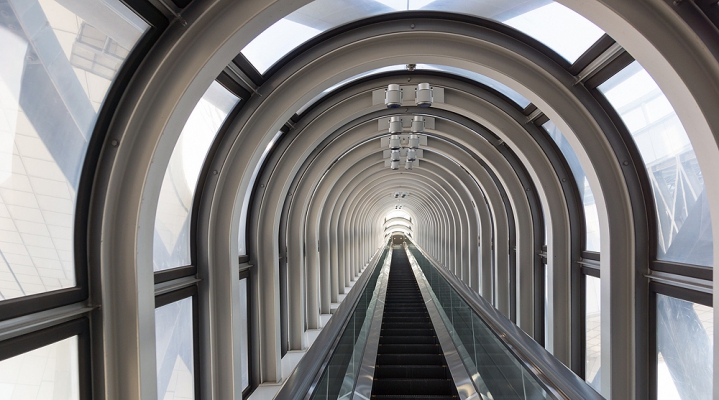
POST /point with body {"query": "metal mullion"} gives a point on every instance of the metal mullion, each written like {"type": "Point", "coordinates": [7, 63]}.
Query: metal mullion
{"type": "Point", "coordinates": [693, 271]}
{"type": "Point", "coordinates": [245, 274]}
{"type": "Point", "coordinates": [174, 273]}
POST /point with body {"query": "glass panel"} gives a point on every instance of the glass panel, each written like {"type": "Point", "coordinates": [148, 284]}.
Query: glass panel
{"type": "Point", "coordinates": [174, 338]}
{"type": "Point", "coordinates": [246, 201]}
{"type": "Point", "coordinates": [56, 66]}
{"type": "Point", "coordinates": [50, 372]}
{"type": "Point", "coordinates": [495, 370]}
{"type": "Point", "coordinates": [683, 219]}
{"type": "Point", "coordinates": [558, 27]}
{"type": "Point", "coordinates": [339, 376]}
{"type": "Point", "coordinates": [172, 222]}
{"type": "Point", "coordinates": [684, 349]}
{"type": "Point", "coordinates": [591, 217]}
{"type": "Point", "coordinates": [244, 335]}
{"type": "Point", "coordinates": [593, 332]}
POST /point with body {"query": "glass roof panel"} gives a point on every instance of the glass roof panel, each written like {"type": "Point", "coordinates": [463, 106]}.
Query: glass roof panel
{"type": "Point", "coordinates": [684, 226]}
{"type": "Point", "coordinates": [276, 41]}
{"type": "Point", "coordinates": [242, 240]}
{"type": "Point", "coordinates": [172, 221]}
{"type": "Point", "coordinates": [558, 27]}
{"type": "Point", "coordinates": [591, 216]}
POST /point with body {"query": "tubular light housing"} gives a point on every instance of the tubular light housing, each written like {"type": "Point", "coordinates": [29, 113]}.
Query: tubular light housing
{"type": "Point", "coordinates": [393, 96]}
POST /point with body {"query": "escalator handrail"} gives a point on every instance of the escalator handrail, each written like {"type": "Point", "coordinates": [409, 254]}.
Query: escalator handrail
{"type": "Point", "coordinates": [551, 372]}
{"type": "Point", "coordinates": [301, 382]}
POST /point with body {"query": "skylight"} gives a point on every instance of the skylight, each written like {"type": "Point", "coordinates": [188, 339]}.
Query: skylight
{"type": "Point", "coordinates": [403, 5]}
{"type": "Point", "coordinates": [276, 41]}
{"type": "Point", "coordinates": [560, 28]}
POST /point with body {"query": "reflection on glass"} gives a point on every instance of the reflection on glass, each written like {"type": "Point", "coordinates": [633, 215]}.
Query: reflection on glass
{"type": "Point", "coordinates": [560, 28]}
{"type": "Point", "coordinates": [685, 233]}
{"type": "Point", "coordinates": [684, 349]}
{"type": "Point", "coordinates": [57, 62]}
{"type": "Point", "coordinates": [175, 348]}
{"type": "Point", "coordinates": [593, 332]}
{"type": "Point", "coordinates": [172, 222]}
{"type": "Point", "coordinates": [244, 335]}
{"type": "Point", "coordinates": [591, 217]}
{"type": "Point", "coordinates": [242, 241]}
{"type": "Point", "coordinates": [50, 372]}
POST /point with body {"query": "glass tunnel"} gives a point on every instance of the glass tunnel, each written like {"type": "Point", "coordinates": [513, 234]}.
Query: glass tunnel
{"type": "Point", "coordinates": [477, 199]}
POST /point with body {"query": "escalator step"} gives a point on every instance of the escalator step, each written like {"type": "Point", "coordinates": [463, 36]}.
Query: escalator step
{"type": "Point", "coordinates": [408, 332]}
{"type": "Point", "coordinates": [426, 324]}
{"type": "Point", "coordinates": [410, 359]}
{"type": "Point", "coordinates": [411, 371]}
{"type": "Point", "coordinates": [412, 386]}
{"type": "Point", "coordinates": [407, 339]}
{"type": "Point", "coordinates": [410, 363]}
{"type": "Point", "coordinates": [408, 348]}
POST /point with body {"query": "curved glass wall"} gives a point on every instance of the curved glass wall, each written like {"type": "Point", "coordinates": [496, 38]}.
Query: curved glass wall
{"type": "Point", "coordinates": [57, 63]}
{"type": "Point", "coordinates": [560, 28]}
{"type": "Point", "coordinates": [242, 239]}
{"type": "Point", "coordinates": [172, 222]}
{"type": "Point", "coordinates": [591, 217]}
{"type": "Point", "coordinates": [683, 220]}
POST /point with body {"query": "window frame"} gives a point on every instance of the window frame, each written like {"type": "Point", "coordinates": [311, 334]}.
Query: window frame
{"type": "Point", "coordinates": [245, 274]}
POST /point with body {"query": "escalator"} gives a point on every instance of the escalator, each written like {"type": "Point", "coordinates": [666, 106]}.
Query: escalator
{"type": "Point", "coordinates": [410, 361]}
{"type": "Point", "coordinates": [412, 329]}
